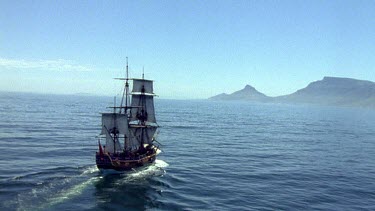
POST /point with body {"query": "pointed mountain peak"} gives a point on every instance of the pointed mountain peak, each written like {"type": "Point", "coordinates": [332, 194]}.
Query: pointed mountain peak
{"type": "Point", "coordinates": [248, 87]}
{"type": "Point", "coordinates": [247, 93]}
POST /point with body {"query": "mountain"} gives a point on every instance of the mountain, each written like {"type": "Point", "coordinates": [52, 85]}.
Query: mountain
{"type": "Point", "coordinates": [335, 91]}
{"type": "Point", "coordinates": [248, 93]}
{"type": "Point", "coordinates": [328, 91]}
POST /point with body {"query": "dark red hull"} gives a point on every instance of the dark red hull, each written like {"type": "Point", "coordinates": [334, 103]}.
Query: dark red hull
{"type": "Point", "coordinates": [119, 162]}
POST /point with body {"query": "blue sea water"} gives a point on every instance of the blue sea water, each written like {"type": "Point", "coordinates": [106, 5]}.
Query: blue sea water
{"type": "Point", "coordinates": [216, 156]}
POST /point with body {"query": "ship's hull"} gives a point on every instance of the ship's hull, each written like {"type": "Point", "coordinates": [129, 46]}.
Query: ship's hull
{"type": "Point", "coordinates": [117, 163]}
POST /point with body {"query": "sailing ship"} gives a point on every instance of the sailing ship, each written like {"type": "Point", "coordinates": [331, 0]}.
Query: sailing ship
{"type": "Point", "coordinates": [130, 130]}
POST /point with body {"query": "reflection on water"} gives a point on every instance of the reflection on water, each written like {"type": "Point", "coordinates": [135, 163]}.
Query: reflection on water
{"type": "Point", "coordinates": [222, 156]}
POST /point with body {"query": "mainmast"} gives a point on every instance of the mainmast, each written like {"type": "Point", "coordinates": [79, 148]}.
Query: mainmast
{"type": "Point", "coordinates": [113, 131]}
{"type": "Point", "coordinates": [142, 114]}
{"type": "Point", "coordinates": [126, 101]}
{"type": "Point", "coordinates": [126, 84]}
{"type": "Point", "coordinates": [140, 111]}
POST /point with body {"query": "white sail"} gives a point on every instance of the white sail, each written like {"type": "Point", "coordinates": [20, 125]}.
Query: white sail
{"type": "Point", "coordinates": [119, 148]}
{"type": "Point", "coordinates": [112, 120]}
{"type": "Point", "coordinates": [145, 103]}
{"type": "Point", "coordinates": [110, 144]}
{"type": "Point", "coordinates": [128, 144]}
{"type": "Point", "coordinates": [148, 134]}
{"type": "Point", "coordinates": [142, 86]}
{"type": "Point", "coordinates": [142, 133]}
{"type": "Point", "coordinates": [133, 143]}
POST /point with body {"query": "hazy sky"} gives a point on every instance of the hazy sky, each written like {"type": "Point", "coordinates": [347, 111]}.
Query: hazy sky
{"type": "Point", "coordinates": [192, 49]}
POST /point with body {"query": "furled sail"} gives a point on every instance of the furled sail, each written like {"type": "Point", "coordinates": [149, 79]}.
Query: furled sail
{"type": "Point", "coordinates": [114, 120]}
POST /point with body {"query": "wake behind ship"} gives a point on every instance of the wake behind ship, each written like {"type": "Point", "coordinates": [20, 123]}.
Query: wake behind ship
{"type": "Point", "coordinates": [129, 131]}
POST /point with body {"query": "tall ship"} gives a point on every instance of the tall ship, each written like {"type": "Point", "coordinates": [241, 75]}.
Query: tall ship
{"type": "Point", "coordinates": [129, 130]}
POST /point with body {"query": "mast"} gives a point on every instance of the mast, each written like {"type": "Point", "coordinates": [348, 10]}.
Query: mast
{"type": "Point", "coordinates": [126, 84]}
{"type": "Point", "coordinates": [126, 89]}
{"type": "Point", "coordinates": [114, 123]}
{"type": "Point", "coordinates": [126, 98]}
{"type": "Point", "coordinates": [140, 113]}
{"type": "Point", "coordinates": [137, 124]}
{"type": "Point", "coordinates": [124, 128]}
{"type": "Point", "coordinates": [142, 120]}
{"type": "Point", "coordinates": [142, 104]}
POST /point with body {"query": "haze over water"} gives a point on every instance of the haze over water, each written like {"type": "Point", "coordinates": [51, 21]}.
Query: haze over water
{"type": "Point", "coordinates": [216, 156]}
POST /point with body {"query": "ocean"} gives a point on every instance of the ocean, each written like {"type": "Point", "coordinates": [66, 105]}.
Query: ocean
{"type": "Point", "coordinates": [215, 156]}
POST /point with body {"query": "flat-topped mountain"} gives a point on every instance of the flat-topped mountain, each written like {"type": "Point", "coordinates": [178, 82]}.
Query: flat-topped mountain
{"type": "Point", "coordinates": [335, 91]}
{"type": "Point", "coordinates": [328, 91]}
{"type": "Point", "coordinates": [248, 93]}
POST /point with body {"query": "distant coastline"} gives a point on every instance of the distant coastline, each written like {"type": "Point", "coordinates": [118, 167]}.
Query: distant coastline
{"type": "Point", "coordinates": [6, 92]}
{"type": "Point", "coordinates": [328, 91]}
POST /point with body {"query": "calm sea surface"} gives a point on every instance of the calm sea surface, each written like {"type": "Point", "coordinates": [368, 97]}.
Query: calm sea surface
{"type": "Point", "coordinates": [216, 156]}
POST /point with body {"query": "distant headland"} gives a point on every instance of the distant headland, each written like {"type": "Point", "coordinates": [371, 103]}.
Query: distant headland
{"type": "Point", "coordinates": [328, 91]}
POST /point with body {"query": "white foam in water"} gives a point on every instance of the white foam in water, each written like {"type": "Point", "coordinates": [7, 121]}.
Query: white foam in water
{"type": "Point", "coordinates": [28, 200]}
{"type": "Point", "coordinates": [61, 196]}
{"type": "Point", "coordinates": [69, 193]}
{"type": "Point", "coordinates": [161, 164]}
{"type": "Point", "coordinates": [90, 170]}
{"type": "Point", "coordinates": [155, 169]}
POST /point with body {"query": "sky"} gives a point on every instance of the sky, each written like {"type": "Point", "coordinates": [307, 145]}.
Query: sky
{"type": "Point", "coordinates": [191, 49]}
